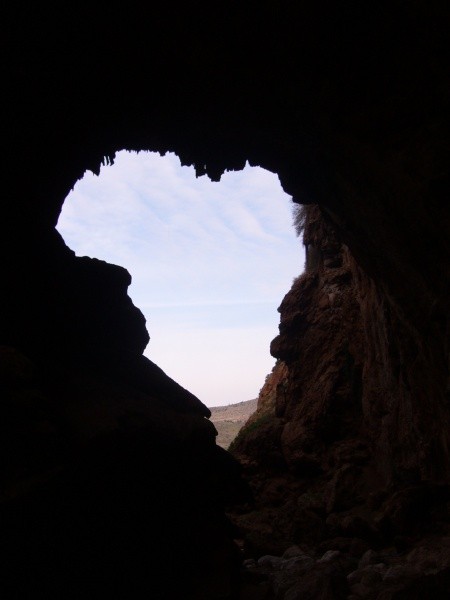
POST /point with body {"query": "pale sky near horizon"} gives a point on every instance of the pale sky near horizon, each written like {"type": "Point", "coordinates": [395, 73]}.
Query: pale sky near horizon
{"type": "Point", "coordinates": [210, 263]}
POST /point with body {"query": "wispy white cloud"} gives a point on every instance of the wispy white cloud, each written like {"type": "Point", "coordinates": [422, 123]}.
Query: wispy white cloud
{"type": "Point", "coordinates": [189, 242]}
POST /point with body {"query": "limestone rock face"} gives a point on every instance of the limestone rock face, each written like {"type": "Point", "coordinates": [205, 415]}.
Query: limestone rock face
{"type": "Point", "coordinates": [353, 398]}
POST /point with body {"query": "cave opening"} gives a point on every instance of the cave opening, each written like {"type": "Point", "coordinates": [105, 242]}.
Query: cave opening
{"type": "Point", "coordinates": [114, 485]}
{"type": "Point", "coordinates": [210, 263]}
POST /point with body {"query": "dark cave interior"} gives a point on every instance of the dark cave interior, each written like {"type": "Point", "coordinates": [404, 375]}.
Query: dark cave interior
{"type": "Point", "coordinates": [110, 466]}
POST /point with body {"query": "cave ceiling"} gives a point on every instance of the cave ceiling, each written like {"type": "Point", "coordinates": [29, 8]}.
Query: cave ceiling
{"type": "Point", "coordinates": [347, 103]}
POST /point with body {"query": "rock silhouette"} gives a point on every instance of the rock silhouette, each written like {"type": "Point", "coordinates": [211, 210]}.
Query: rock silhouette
{"type": "Point", "coordinates": [110, 468]}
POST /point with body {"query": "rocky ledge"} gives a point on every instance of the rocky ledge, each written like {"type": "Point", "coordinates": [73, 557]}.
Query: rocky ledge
{"type": "Point", "coordinates": [303, 573]}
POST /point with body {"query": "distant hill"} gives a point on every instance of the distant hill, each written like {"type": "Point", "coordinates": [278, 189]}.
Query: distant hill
{"type": "Point", "coordinates": [229, 419]}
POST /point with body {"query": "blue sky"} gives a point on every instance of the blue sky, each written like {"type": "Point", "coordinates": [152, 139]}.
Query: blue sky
{"type": "Point", "coordinates": [210, 263]}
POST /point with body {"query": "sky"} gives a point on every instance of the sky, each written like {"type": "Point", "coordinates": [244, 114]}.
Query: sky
{"type": "Point", "coordinates": [210, 263]}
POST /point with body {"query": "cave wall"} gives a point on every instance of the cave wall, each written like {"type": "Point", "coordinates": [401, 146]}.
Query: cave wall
{"type": "Point", "coordinates": [348, 104]}
{"type": "Point", "coordinates": [357, 443]}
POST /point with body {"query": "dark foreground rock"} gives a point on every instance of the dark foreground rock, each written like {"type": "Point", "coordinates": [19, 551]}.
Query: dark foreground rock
{"type": "Point", "coordinates": [111, 474]}
{"type": "Point", "coordinates": [108, 490]}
